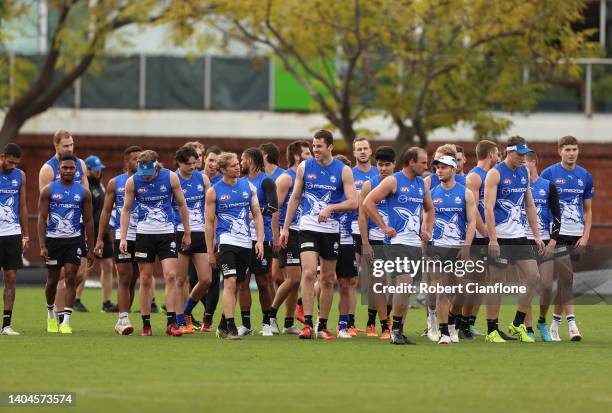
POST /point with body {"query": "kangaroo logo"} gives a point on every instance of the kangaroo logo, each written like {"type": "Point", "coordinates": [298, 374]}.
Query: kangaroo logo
{"type": "Point", "coordinates": [541, 226]}
{"type": "Point", "coordinates": [513, 210]}
{"type": "Point", "coordinates": [412, 222]}
{"type": "Point", "coordinates": [195, 214]}
{"type": "Point", "coordinates": [238, 225]}
{"type": "Point", "coordinates": [154, 214]}
{"type": "Point", "coordinates": [6, 212]}
{"type": "Point", "coordinates": [570, 211]}
{"type": "Point", "coordinates": [63, 226]}
{"type": "Point", "coordinates": [450, 229]}
{"type": "Point", "coordinates": [318, 204]}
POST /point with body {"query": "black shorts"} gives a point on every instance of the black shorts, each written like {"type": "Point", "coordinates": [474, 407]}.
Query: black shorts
{"type": "Point", "coordinates": [539, 258]}
{"type": "Point", "coordinates": [149, 246]}
{"type": "Point", "coordinates": [11, 249]}
{"type": "Point", "coordinates": [292, 252]}
{"type": "Point", "coordinates": [443, 254]}
{"type": "Point", "coordinates": [107, 251]}
{"type": "Point", "coordinates": [357, 243]}
{"type": "Point", "coordinates": [480, 247]}
{"type": "Point", "coordinates": [346, 267]}
{"type": "Point", "coordinates": [198, 243]}
{"type": "Point", "coordinates": [64, 251]}
{"type": "Point", "coordinates": [326, 244]}
{"type": "Point", "coordinates": [129, 256]}
{"type": "Point", "coordinates": [259, 267]}
{"type": "Point", "coordinates": [280, 256]}
{"type": "Point", "coordinates": [412, 253]}
{"type": "Point", "coordinates": [565, 246]}
{"type": "Point", "coordinates": [234, 261]}
{"type": "Point", "coordinates": [512, 250]}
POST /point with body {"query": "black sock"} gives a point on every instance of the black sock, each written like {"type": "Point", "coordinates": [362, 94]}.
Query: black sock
{"type": "Point", "coordinates": [308, 320]}
{"type": "Point", "coordinates": [266, 317]}
{"type": "Point", "coordinates": [397, 323]}
{"type": "Point", "coordinates": [273, 312]}
{"type": "Point", "coordinates": [452, 319]}
{"type": "Point", "coordinates": [288, 322]}
{"type": "Point", "coordinates": [299, 301]}
{"type": "Point", "coordinates": [207, 318]}
{"type": "Point", "coordinates": [519, 318]}
{"type": "Point", "coordinates": [530, 329]}
{"type": "Point", "coordinates": [322, 324]}
{"type": "Point", "coordinates": [444, 329]}
{"type": "Point", "coordinates": [351, 322]}
{"type": "Point", "coordinates": [223, 323]}
{"type": "Point", "coordinates": [107, 302]}
{"type": "Point", "coordinates": [491, 325]}
{"type": "Point", "coordinates": [542, 320]}
{"type": "Point", "coordinates": [170, 318]}
{"type": "Point", "coordinates": [389, 309]}
{"type": "Point", "coordinates": [246, 318]}
{"type": "Point", "coordinates": [60, 317]}
{"type": "Point", "coordinates": [146, 321]}
{"type": "Point", "coordinates": [384, 325]}
{"type": "Point", "coordinates": [465, 322]}
{"type": "Point", "coordinates": [371, 316]}
{"type": "Point", "coordinates": [472, 320]}
{"type": "Point", "coordinates": [231, 325]}
{"type": "Point", "coordinates": [6, 320]}
{"type": "Point", "coordinates": [77, 300]}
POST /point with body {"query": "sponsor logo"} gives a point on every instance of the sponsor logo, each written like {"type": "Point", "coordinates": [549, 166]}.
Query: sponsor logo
{"type": "Point", "coordinates": [227, 273]}
{"type": "Point", "coordinates": [336, 246]}
{"type": "Point", "coordinates": [402, 198]}
{"type": "Point", "coordinates": [121, 189]}
{"type": "Point", "coordinates": [264, 262]}
{"type": "Point", "coordinates": [307, 245]}
{"type": "Point", "coordinates": [507, 181]}
{"type": "Point", "coordinates": [140, 254]}
{"type": "Point", "coordinates": [560, 181]}
{"type": "Point", "coordinates": [311, 176]}
{"type": "Point", "coordinates": [124, 256]}
{"type": "Point", "coordinates": [224, 197]}
{"type": "Point", "coordinates": [173, 245]}
{"type": "Point", "coordinates": [142, 190]}
{"type": "Point", "coordinates": [79, 252]}
{"type": "Point", "coordinates": [51, 262]}
{"type": "Point", "coordinates": [437, 201]}
{"type": "Point", "coordinates": [404, 189]}
{"type": "Point", "coordinates": [56, 196]}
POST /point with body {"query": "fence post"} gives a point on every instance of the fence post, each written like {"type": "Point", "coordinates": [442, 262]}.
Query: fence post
{"type": "Point", "coordinates": [271, 85]}
{"type": "Point", "coordinates": [588, 104]}
{"type": "Point", "coordinates": [207, 64]}
{"type": "Point", "coordinates": [142, 81]}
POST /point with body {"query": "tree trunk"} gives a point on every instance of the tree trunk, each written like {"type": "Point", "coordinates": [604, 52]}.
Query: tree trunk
{"type": "Point", "coordinates": [347, 130]}
{"type": "Point", "coordinates": [404, 138]}
{"type": "Point", "coordinates": [10, 127]}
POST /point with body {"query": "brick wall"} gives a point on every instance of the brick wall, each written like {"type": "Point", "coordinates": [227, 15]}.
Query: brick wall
{"type": "Point", "coordinates": [597, 158]}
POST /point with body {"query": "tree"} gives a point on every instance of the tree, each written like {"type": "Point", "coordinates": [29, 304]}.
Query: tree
{"type": "Point", "coordinates": [451, 61]}
{"type": "Point", "coordinates": [321, 43]}
{"type": "Point", "coordinates": [81, 30]}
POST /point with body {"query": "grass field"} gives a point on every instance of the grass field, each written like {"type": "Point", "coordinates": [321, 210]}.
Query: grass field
{"type": "Point", "coordinates": [110, 373]}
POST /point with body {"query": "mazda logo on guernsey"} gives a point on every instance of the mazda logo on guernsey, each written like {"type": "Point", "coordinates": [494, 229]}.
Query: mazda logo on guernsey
{"type": "Point", "coordinates": [402, 199]}
{"type": "Point", "coordinates": [505, 191]}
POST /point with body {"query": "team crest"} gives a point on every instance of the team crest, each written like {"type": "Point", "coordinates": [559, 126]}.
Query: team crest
{"type": "Point", "coordinates": [173, 245]}
{"type": "Point", "coordinates": [14, 182]}
{"type": "Point", "coordinates": [79, 252]}
{"type": "Point", "coordinates": [332, 179]}
{"type": "Point", "coordinates": [457, 200]}
{"type": "Point", "coordinates": [523, 180]}
{"type": "Point", "coordinates": [580, 183]}
{"type": "Point", "coordinates": [542, 192]}
{"type": "Point", "coordinates": [245, 195]}
{"type": "Point", "coordinates": [200, 187]}
{"type": "Point", "coordinates": [163, 188]}
{"type": "Point", "coordinates": [420, 191]}
{"type": "Point", "coordinates": [77, 197]}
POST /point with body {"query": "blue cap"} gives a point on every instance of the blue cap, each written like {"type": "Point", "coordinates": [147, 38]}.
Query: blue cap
{"type": "Point", "coordinates": [94, 163]}
{"type": "Point", "coordinates": [520, 148]}
{"type": "Point", "coordinates": [146, 168]}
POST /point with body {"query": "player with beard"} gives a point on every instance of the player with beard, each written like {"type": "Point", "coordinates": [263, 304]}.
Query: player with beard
{"type": "Point", "coordinates": [14, 233]}
{"type": "Point", "coordinates": [61, 206]}
{"type": "Point", "coordinates": [320, 186]}
{"type": "Point", "coordinates": [287, 292]}
{"type": "Point", "coordinates": [252, 164]}
{"type": "Point", "coordinates": [410, 224]}
{"type": "Point", "coordinates": [575, 188]}
{"type": "Point", "coordinates": [373, 235]}
{"type": "Point", "coordinates": [125, 262]}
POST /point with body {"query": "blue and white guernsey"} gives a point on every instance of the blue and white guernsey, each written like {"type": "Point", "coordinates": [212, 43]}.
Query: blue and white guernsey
{"type": "Point", "coordinates": [10, 185]}
{"type": "Point", "coordinates": [374, 232]}
{"type": "Point", "coordinates": [277, 172]}
{"type": "Point", "coordinates": [451, 216]}
{"type": "Point", "coordinates": [154, 198]}
{"type": "Point", "coordinates": [261, 197]}
{"type": "Point", "coordinates": [346, 232]}
{"type": "Point", "coordinates": [405, 208]}
{"type": "Point", "coordinates": [510, 203]}
{"type": "Point", "coordinates": [295, 222]}
{"type": "Point", "coordinates": [54, 164]}
{"type": "Point", "coordinates": [540, 190]}
{"type": "Point", "coordinates": [573, 188]}
{"type": "Point", "coordinates": [481, 205]}
{"type": "Point", "coordinates": [65, 210]}
{"type": "Point", "coordinates": [360, 178]}
{"type": "Point", "coordinates": [232, 210]}
{"type": "Point", "coordinates": [120, 181]}
{"type": "Point", "coordinates": [193, 189]}
{"type": "Point", "coordinates": [322, 187]}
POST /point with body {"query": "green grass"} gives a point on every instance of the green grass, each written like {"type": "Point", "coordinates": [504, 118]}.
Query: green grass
{"type": "Point", "coordinates": [112, 373]}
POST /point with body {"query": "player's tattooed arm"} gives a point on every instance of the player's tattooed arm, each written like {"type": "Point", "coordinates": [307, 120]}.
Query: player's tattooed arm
{"type": "Point", "coordinates": [490, 197]}
{"type": "Point", "coordinates": [23, 213]}
{"type": "Point", "coordinates": [124, 222]}
{"type": "Point", "coordinates": [43, 215]}
{"type": "Point", "coordinates": [210, 224]}
{"type": "Point", "coordinates": [384, 189]}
